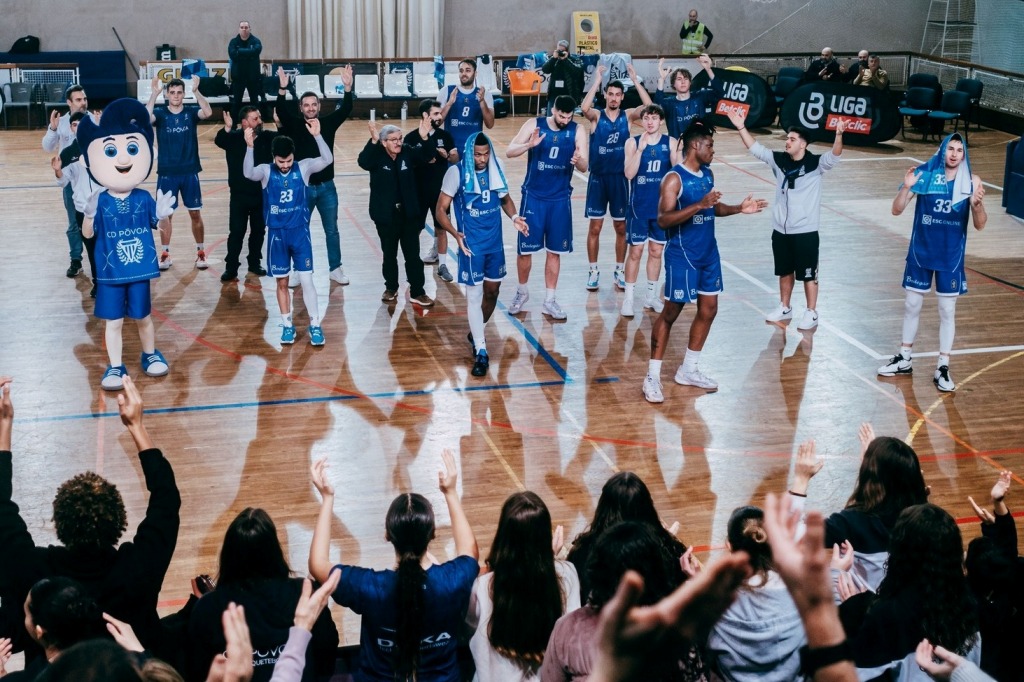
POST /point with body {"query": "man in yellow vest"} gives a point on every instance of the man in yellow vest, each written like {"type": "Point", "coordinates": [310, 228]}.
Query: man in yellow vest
{"type": "Point", "coordinates": [696, 36]}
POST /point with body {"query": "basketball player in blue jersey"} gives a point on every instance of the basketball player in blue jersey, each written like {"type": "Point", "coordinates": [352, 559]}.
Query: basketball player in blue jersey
{"type": "Point", "coordinates": [947, 192]}
{"type": "Point", "coordinates": [684, 105]}
{"type": "Point", "coordinates": [649, 156]}
{"type": "Point", "coordinates": [177, 164]}
{"type": "Point", "coordinates": [480, 192]}
{"type": "Point", "coordinates": [688, 207]}
{"type": "Point", "coordinates": [555, 147]}
{"type": "Point", "coordinates": [607, 187]}
{"type": "Point", "coordinates": [289, 245]}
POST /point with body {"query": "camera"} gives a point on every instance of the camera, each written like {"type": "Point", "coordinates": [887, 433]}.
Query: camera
{"type": "Point", "coordinates": [562, 53]}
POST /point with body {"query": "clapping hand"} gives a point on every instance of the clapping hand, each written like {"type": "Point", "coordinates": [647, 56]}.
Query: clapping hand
{"type": "Point", "coordinates": [752, 205]}
{"type": "Point", "coordinates": [320, 481]}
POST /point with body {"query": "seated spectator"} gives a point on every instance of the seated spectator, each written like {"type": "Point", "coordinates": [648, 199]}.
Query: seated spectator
{"type": "Point", "coordinates": [89, 518]}
{"type": "Point", "coordinates": [58, 615]}
{"type": "Point", "coordinates": [625, 497]}
{"type": "Point", "coordinates": [889, 481]}
{"type": "Point", "coordinates": [862, 63]}
{"type": "Point", "coordinates": [255, 575]}
{"type": "Point", "coordinates": [510, 632]}
{"type": "Point", "coordinates": [924, 595]}
{"type": "Point", "coordinates": [760, 635]}
{"type": "Point", "coordinates": [627, 546]}
{"type": "Point", "coordinates": [825, 68]}
{"type": "Point", "coordinates": [872, 75]}
{"type": "Point", "coordinates": [97, 660]}
{"type": "Point", "coordinates": [411, 615]}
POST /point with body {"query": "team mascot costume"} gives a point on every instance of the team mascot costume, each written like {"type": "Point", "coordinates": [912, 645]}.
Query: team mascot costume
{"type": "Point", "coordinates": [118, 152]}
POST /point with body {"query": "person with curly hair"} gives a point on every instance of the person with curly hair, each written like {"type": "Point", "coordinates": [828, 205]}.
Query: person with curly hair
{"type": "Point", "coordinates": [89, 518]}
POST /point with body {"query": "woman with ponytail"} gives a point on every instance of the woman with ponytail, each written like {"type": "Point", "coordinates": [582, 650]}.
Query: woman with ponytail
{"type": "Point", "coordinates": [515, 605]}
{"type": "Point", "coordinates": [760, 635]}
{"type": "Point", "coordinates": [411, 614]}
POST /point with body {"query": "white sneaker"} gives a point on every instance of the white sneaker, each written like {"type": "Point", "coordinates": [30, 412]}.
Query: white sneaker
{"type": "Point", "coordinates": [652, 390]}
{"type": "Point", "coordinates": [779, 314]}
{"type": "Point", "coordinates": [620, 279]}
{"type": "Point", "coordinates": [553, 309]}
{"type": "Point", "coordinates": [898, 365]}
{"type": "Point", "coordinates": [201, 263]}
{"type": "Point", "coordinates": [654, 303]}
{"type": "Point", "coordinates": [431, 256]}
{"type": "Point", "coordinates": [627, 307]}
{"type": "Point", "coordinates": [695, 378]}
{"type": "Point", "coordinates": [592, 278]}
{"type": "Point", "coordinates": [293, 279]}
{"type": "Point", "coordinates": [338, 275]}
{"type": "Point", "coordinates": [943, 381]}
{"type": "Point", "coordinates": [809, 320]}
{"type": "Point", "coordinates": [518, 301]}
{"type": "Point", "coordinates": [165, 260]}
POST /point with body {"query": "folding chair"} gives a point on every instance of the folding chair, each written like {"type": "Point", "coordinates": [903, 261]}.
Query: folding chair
{"type": "Point", "coordinates": [973, 87]}
{"type": "Point", "coordinates": [19, 96]}
{"type": "Point", "coordinates": [524, 82]}
{"type": "Point", "coordinates": [53, 98]}
{"type": "Point", "coordinates": [397, 85]}
{"type": "Point", "coordinates": [956, 105]}
{"type": "Point", "coordinates": [308, 83]}
{"type": "Point", "coordinates": [919, 102]}
{"type": "Point", "coordinates": [367, 86]}
{"type": "Point", "coordinates": [425, 85]}
{"type": "Point", "coordinates": [333, 87]}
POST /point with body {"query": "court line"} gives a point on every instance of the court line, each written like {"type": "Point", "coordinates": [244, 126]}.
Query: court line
{"type": "Point", "coordinates": [972, 351]}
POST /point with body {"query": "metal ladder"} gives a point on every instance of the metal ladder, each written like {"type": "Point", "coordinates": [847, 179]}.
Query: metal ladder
{"type": "Point", "coordinates": [950, 30]}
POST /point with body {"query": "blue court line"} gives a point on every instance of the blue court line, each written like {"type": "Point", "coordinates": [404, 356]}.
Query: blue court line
{"type": "Point", "coordinates": [605, 380]}
{"type": "Point", "coordinates": [394, 395]}
{"type": "Point", "coordinates": [530, 338]}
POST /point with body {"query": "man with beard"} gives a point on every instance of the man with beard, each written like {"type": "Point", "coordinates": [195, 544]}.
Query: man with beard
{"type": "Point", "coordinates": [687, 210]}
{"type": "Point", "coordinates": [245, 205]}
{"type": "Point", "coordinates": [607, 187]}
{"type": "Point", "coordinates": [429, 177]}
{"type": "Point", "coordinates": [321, 191]}
{"type": "Point", "coordinates": [555, 146]}
{"type": "Point", "coordinates": [684, 106]}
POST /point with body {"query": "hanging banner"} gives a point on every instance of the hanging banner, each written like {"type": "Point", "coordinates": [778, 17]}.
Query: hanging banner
{"type": "Point", "coordinates": [587, 32]}
{"type": "Point", "coordinates": [870, 115]}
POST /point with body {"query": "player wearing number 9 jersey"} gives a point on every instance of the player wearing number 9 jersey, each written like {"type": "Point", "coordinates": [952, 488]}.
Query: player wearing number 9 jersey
{"type": "Point", "coordinates": [947, 192]}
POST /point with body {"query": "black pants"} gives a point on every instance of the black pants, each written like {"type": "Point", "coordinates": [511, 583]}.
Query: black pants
{"type": "Point", "coordinates": [256, 96]}
{"type": "Point", "coordinates": [90, 244]}
{"type": "Point", "coordinates": [404, 231]}
{"type": "Point", "coordinates": [245, 210]}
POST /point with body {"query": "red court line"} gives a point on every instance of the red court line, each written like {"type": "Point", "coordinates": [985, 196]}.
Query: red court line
{"type": "Point", "coordinates": [974, 519]}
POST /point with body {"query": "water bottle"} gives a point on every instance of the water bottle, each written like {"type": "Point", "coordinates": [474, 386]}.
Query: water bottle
{"type": "Point", "coordinates": [373, 115]}
{"type": "Point", "coordinates": [405, 110]}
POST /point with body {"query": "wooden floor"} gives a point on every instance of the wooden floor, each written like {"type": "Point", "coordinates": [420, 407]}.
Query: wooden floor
{"type": "Point", "coordinates": [241, 418]}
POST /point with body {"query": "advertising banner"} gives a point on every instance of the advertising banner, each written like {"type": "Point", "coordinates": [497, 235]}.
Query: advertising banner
{"type": "Point", "coordinates": [744, 91]}
{"type": "Point", "coordinates": [870, 114]}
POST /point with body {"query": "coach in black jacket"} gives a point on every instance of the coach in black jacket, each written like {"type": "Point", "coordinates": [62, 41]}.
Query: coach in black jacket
{"type": "Point", "coordinates": [394, 207]}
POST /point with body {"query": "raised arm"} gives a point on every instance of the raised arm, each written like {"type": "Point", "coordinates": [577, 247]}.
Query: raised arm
{"type": "Point", "coordinates": [260, 173]}
{"type": "Point", "coordinates": [634, 153]}
{"type": "Point", "coordinates": [465, 541]}
{"type": "Point", "coordinates": [837, 146]}
{"type": "Point", "coordinates": [528, 137]}
{"type": "Point", "coordinates": [447, 104]}
{"type": "Point", "coordinates": [663, 72]}
{"type": "Point", "coordinates": [311, 166]}
{"type": "Point", "coordinates": [155, 88]}
{"type": "Point", "coordinates": [645, 97]}
{"type": "Point", "coordinates": [910, 178]}
{"type": "Point", "coordinates": [320, 547]}
{"type": "Point", "coordinates": [205, 111]}
{"type": "Point", "coordinates": [739, 121]}
{"type": "Point", "coordinates": [581, 159]}
{"type": "Point", "coordinates": [486, 109]}
{"type": "Point", "coordinates": [51, 138]}
{"type": "Point", "coordinates": [588, 101]}
{"type": "Point", "coordinates": [978, 213]}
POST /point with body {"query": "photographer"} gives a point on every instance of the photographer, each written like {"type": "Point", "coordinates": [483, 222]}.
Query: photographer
{"type": "Point", "coordinates": [566, 74]}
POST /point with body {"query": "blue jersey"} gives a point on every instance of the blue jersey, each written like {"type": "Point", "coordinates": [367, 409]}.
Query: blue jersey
{"type": "Point", "coordinates": [479, 217]}
{"type": "Point", "coordinates": [177, 141]}
{"type": "Point", "coordinates": [464, 118]}
{"type": "Point", "coordinates": [608, 144]}
{"type": "Point", "coordinates": [125, 250]}
{"type": "Point", "coordinates": [284, 199]}
{"type": "Point", "coordinates": [680, 112]}
{"type": "Point", "coordinates": [939, 237]}
{"type": "Point", "coordinates": [645, 187]}
{"type": "Point", "coordinates": [549, 165]}
{"type": "Point", "coordinates": [694, 237]}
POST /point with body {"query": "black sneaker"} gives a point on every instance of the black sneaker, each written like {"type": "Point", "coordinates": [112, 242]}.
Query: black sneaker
{"type": "Point", "coordinates": [74, 268]}
{"type": "Point", "coordinates": [257, 270]}
{"type": "Point", "coordinates": [229, 276]}
{"type": "Point", "coordinates": [942, 380]}
{"type": "Point", "coordinates": [481, 364]}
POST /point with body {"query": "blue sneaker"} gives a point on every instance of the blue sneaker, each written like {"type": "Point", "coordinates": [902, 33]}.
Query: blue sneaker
{"type": "Point", "coordinates": [316, 336]}
{"type": "Point", "coordinates": [287, 334]}
{"type": "Point", "coordinates": [481, 364]}
{"type": "Point", "coordinates": [154, 364]}
{"type": "Point", "coordinates": [592, 278]}
{"type": "Point", "coordinates": [620, 279]}
{"type": "Point", "coordinates": [113, 378]}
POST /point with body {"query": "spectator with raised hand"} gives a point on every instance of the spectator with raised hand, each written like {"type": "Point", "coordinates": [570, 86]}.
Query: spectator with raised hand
{"type": "Point", "coordinates": [411, 615]}
{"type": "Point", "coordinates": [292, 660]}
{"type": "Point", "coordinates": [90, 518]}
{"type": "Point", "coordinates": [236, 663]}
{"type": "Point", "coordinates": [804, 566]}
{"type": "Point", "coordinates": [889, 481]}
{"type": "Point", "coordinates": [510, 632]}
{"type": "Point", "coordinates": [942, 664]}
{"type": "Point", "coordinates": [5, 654]}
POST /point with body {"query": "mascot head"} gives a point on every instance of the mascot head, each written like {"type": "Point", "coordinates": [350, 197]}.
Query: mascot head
{"type": "Point", "coordinates": [118, 151]}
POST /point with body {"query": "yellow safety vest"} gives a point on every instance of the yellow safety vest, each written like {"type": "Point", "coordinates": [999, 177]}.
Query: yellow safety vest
{"type": "Point", "coordinates": [694, 42]}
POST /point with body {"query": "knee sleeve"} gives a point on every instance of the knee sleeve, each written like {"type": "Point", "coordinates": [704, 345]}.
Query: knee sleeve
{"type": "Point", "coordinates": [911, 316]}
{"type": "Point", "coordinates": [947, 323]}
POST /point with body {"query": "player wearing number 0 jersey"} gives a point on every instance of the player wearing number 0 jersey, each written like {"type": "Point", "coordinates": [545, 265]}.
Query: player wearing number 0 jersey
{"type": "Point", "coordinates": [480, 192]}
{"type": "Point", "coordinates": [289, 245]}
{"type": "Point", "coordinates": [648, 158]}
{"type": "Point", "coordinates": [947, 193]}
{"type": "Point", "coordinates": [687, 208]}
{"type": "Point", "coordinates": [607, 187]}
{"type": "Point", "coordinates": [555, 146]}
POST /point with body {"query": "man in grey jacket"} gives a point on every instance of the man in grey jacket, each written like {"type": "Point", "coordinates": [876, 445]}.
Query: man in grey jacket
{"type": "Point", "coordinates": [796, 214]}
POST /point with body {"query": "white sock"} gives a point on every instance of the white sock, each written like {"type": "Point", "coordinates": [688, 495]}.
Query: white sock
{"type": "Point", "coordinates": [286, 318]}
{"type": "Point", "coordinates": [785, 307]}
{"type": "Point", "coordinates": [475, 314]}
{"type": "Point", "coordinates": [690, 360]}
{"type": "Point", "coordinates": [630, 288]}
{"type": "Point", "coordinates": [905, 351]}
{"type": "Point", "coordinates": [522, 289]}
{"type": "Point", "coordinates": [593, 267]}
{"type": "Point", "coordinates": [549, 295]}
{"type": "Point", "coordinates": [442, 259]}
{"type": "Point", "coordinates": [943, 360]}
{"type": "Point", "coordinates": [199, 246]}
{"type": "Point", "coordinates": [618, 266]}
{"type": "Point", "coordinates": [654, 368]}
{"type": "Point", "coordinates": [309, 297]}
{"type": "Point", "coordinates": [651, 285]}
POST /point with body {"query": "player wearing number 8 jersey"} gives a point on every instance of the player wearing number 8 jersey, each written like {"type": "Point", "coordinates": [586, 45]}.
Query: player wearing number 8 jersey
{"type": "Point", "coordinates": [555, 146]}
{"type": "Point", "coordinates": [947, 193]}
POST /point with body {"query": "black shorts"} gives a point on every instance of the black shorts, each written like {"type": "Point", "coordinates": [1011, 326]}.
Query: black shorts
{"type": "Point", "coordinates": [796, 254]}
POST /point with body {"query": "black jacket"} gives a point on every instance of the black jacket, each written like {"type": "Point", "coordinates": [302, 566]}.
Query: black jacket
{"type": "Point", "coordinates": [234, 147]}
{"type": "Point", "coordinates": [393, 181]}
{"type": "Point", "coordinates": [293, 125]}
{"type": "Point", "coordinates": [245, 58]}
